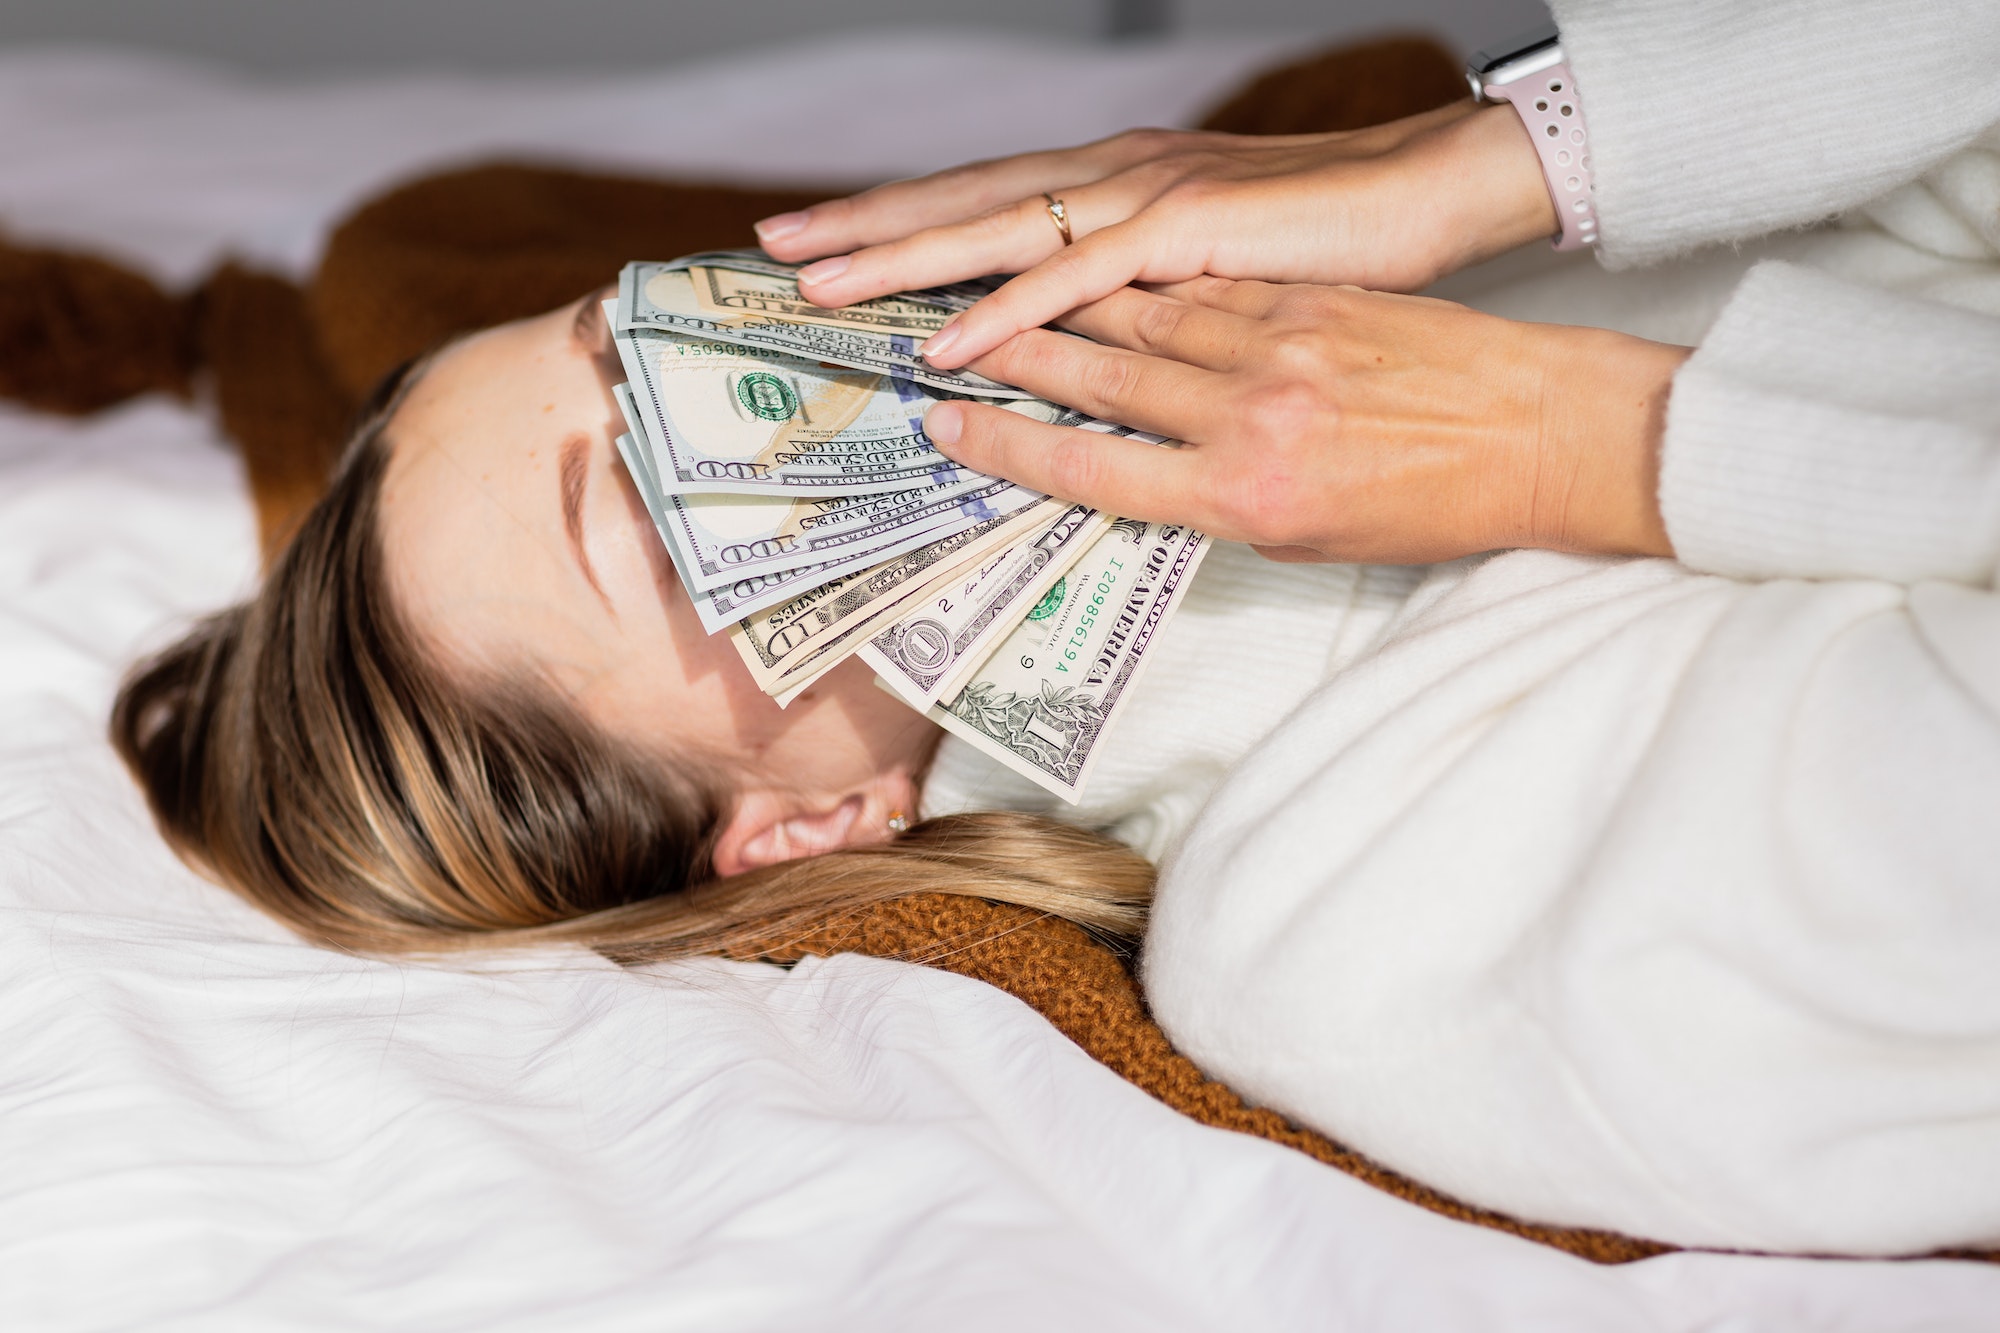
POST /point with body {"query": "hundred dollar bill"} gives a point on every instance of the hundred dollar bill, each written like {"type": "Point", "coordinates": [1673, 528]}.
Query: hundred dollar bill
{"type": "Point", "coordinates": [633, 454]}
{"type": "Point", "coordinates": [755, 590]}
{"type": "Point", "coordinates": [947, 636]}
{"type": "Point", "coordinates": [722, 606]}
{"type": "Point", "coordinates": [718, 608]}
{"type": "Point", "coordinates": [1043, 701]}
{"type": "Point", "coordinates": [727, 292]}
{"type": "Point", "coordinates": [952, 297]}
{"type": "Point", "coordinates": [639, 461]}
{"type": "Point", "coordinates": [662, 296]}
{"type": "Point", "coordinates": [725, 419]}
{"type": "Point", "coordinates": [723, 537]}
{"type": "Point", "coordinates": [733, 601]}
{"type": "Point", "coordinates": [809, 634]}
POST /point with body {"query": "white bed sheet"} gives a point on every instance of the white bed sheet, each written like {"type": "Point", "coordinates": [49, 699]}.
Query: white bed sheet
{"type": "Point", "coordinates": [205, 1124]}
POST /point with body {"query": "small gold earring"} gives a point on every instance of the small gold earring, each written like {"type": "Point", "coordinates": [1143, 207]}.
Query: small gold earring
{"type": "Point", "coordinates": [898, 824]}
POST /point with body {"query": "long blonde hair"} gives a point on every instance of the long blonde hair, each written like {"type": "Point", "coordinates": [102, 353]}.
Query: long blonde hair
{"type": "Point", "coordinates": [304, 750]}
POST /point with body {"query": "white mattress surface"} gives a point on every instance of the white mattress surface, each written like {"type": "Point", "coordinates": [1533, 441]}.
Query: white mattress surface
{"type": "Point", "coordinates": [205, 1124]}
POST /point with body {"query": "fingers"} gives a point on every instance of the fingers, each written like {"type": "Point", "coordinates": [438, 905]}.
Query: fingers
{"type": "Point", "coordinates": [1007, 239]}
{"type": "Point", "coordinates": [1158, 325]}
{"type": "Point", "coordinates": [891, 212]}
{"type": "Point", "coordinates": [1115, 474]}
{"type": "Point", "coordinates": [1145, 248]}
{"type": "Point", "coordinates": [1148, 392]}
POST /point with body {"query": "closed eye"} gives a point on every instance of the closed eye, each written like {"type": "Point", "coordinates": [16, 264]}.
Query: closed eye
{"type": "Point", "coordinates": [574, 477]}
{"type": "Point", "coordinates": [592, 332]}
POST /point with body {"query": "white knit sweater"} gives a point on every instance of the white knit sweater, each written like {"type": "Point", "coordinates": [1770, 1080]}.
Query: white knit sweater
{"type": "Point", "coordinates": [1665, 896]}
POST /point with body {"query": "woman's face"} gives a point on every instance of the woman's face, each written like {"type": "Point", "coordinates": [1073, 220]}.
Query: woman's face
{"type": "Point", "coordinates": [515, 541]}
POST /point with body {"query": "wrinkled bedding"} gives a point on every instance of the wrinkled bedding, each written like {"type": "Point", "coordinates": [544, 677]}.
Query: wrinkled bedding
{"type": "Point", "coordinates": [206, 1124]}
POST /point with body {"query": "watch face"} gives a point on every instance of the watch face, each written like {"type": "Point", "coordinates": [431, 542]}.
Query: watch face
{"type": "Point", "coordinates": [1506, 53]}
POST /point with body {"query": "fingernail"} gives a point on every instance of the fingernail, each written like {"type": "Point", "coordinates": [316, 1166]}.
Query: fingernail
{"type": "Point", "coordinates": [940, 342]}
{"type": "Point", "coordinates": [782, 225]}
{"type": "Point", "coordinates": [825, 269]}
{"type": "Point", "coordinates": [945, 423]}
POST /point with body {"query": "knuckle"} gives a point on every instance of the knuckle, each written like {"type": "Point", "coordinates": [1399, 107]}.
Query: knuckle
{"type": "Point", "coordinates": [1160, 172]}
{"type": "Point", "coordinates": [1206, 287]}
{"type": "Point", "coordinates": [995, 222]}
{"type": "Point", "coordinates": [1076, 467]}
{"type": "Point", "coordinates": [1298, 355]}
{"type": "Point", "coordinates": [1150, 140]}
{"type": "Point", "coordinates": [1110, 380]}
{"type": "Point", "coordinates": [1157, 324]}
{"type": "Point", "coordinates": [1067, 275]}
{"type": "Point", "coordinates": [1182, 205]}
{"type": "Point", "coordinates": [1034, 356]}
{"type": "Point", "coordinates": [1263, 502]}
{"type": "Point", "coordinates": [1204, 174]}
{"type": "Point", "coordinates": [1287, 416]}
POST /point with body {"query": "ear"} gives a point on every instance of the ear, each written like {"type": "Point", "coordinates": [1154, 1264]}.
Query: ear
{"type": "Point", "coordinates": [767, 827]}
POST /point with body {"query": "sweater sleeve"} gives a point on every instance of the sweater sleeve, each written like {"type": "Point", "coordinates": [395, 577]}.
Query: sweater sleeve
{"type": "Point", "coordinates": [1828, 430]}
{"type": "Point", "coordinates": [1720, 120]}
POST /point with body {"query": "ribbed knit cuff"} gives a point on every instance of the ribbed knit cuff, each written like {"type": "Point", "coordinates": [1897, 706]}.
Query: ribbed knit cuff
{"type": "Point", "coordinates": [1719, 120]}
{"type": "Point", "coordinates": [1827, 430]}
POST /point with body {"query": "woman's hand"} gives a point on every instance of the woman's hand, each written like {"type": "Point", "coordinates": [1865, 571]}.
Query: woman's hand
{"type": "Point", "coordinates": [1334, 423]}
{"type": "Point", "coordinates": [1393, 207]}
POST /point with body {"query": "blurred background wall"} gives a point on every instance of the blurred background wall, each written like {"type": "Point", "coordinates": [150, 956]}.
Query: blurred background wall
{"type": "Point", "coordinates": [287, 37]}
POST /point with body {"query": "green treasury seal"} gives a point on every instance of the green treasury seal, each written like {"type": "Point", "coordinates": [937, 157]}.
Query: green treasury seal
{"type": "Point", "coordinates": [767, 396]}
{"type": "Point", "coordinates": [1051, 599]}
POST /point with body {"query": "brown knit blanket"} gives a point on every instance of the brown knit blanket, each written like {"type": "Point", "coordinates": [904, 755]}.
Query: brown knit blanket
{"type": "Point", "coordinates": [463, 250]}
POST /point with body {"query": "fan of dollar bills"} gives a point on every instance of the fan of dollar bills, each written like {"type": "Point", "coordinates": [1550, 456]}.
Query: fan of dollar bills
{"type": "Point", "coordinates": [780, 449]}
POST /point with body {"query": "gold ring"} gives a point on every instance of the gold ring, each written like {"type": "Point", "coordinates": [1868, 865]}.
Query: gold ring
{"type": "Point", "coordinates": [1060, 216]}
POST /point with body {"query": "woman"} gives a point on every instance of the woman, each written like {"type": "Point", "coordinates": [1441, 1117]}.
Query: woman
{"type": "Point", "coordinates": [1636, 894]}
{"type": "Point", "coordinates": [471, 707]}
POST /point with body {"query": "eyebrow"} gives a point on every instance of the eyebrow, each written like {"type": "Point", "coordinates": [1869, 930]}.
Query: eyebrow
{"type": "Point", "coordinates": [574, 472]}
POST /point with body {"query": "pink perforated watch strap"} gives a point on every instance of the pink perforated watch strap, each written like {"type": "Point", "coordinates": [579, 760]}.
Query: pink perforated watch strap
{"type": "Point", "coordinates": [1553, 113]}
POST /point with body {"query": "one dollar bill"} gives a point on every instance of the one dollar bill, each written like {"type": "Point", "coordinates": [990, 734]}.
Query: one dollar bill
{"type": "Point", "coordinates": [1043, 702]}
{"type": "Point", "coordinates": [795, 641]}
{"type": "Point", "coordinates": [927, 654]}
